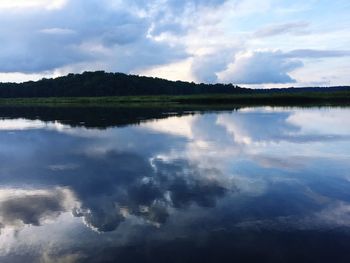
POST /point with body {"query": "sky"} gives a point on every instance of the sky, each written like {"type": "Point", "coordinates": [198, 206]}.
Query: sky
{"type": "Point", "coordinates": [252, 43]}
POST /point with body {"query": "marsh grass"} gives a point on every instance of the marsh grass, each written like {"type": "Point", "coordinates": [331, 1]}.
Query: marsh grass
{"type": "Point", "coordinates": [253, 99]}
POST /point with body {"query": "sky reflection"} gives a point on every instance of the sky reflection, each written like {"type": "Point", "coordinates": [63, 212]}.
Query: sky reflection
{"type": "Point", "coordinates": [174, 184]}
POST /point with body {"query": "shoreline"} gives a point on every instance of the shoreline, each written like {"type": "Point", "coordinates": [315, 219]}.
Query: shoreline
{"type": "Point", "coordinates": [335, 98]}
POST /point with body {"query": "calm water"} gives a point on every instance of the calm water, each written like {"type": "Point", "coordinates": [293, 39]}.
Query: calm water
{"type": "Point", "coordinates": [252, 185]}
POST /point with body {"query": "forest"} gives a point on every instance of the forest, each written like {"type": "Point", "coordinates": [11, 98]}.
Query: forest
{"type": "Point", "coordinates": [102, 84]}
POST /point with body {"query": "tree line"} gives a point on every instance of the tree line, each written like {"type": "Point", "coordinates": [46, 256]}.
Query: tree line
{"type": "Point", "coordinates": [100, 83]}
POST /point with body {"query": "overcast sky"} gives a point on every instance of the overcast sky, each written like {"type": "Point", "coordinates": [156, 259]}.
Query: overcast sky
{"type": "Point", "coordinates": [256, 43]}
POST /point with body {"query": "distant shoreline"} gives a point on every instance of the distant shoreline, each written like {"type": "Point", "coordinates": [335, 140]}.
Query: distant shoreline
{"type": "Point", "coordinates": [103, 87]}
{"type": "Point", "coordinates": [331, 98]}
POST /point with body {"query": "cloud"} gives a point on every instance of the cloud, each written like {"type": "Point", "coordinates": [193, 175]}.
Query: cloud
{"type": "Point", "coordinates": [81, 33]}
{"type": "Point", "coordinates": [20, 124]}
{"type": "Point", "coordinates": [312, 53]}
{"type": "Point", "coordinates": [66, 258]}
{"type": "Point", "coordinates": [133, 174]}
{"type": "Point", "coordinates": [321, 122]}
{"type": "Point", "coordinates": [292, 163]}
{"type": "Point", "coordinates": [334, 214]}
{"type": "Point", "coordinates": [192, 40]}
{"type": "Point", "coordinates": [62, 167]}
{"type": "Point", "coordinates": [254, 127]}
{"type": "Point", "coordinates": [133, 187]}
{"type": "Point", "coordinates": [146, 193]}
{"type": "Point", "coordinates": [115, 186]}
{"type": "Point", "coordinates": [306, 126]}
{"type": "Point", "coordinates": [260, 67]}
{"type": "Point", "coordinates": [286, 28]}
{"type": "Point", "coordinates": [113, 36]}
{"type": "Point", "coordinates": [207, 67]}
{"type": "Point", "coordinates": [57, 31]}
{"type": "Point", "coordinates": [178, 126]}
{"type": "Point", "coordinates": [33, 207]}
{"type": "Point", "coordinates": [20, 4]}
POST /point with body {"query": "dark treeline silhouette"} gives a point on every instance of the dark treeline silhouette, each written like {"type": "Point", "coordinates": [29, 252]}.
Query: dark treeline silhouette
{"type": "Point", "coordinates": [96, 117]}
{"type": "Point", "coordinates": [302, 89]}
{"type": "Point", "coordinates": [89, 117]}
{"type": "Point", "coordinates": [100, 83]}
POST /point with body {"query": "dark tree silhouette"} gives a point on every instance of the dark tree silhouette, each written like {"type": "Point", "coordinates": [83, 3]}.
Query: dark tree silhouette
{"type": "Point", "coordinates": [100, 83]}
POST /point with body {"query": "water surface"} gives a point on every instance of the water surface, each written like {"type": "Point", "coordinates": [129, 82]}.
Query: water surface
{"type": "Point", "coordinates": [251, 185]}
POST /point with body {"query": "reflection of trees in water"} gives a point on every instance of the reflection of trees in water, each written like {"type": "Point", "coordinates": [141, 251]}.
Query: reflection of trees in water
{"type": "Point", "coordinates": [93, 117]}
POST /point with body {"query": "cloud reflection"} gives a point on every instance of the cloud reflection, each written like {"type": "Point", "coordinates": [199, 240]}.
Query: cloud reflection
{"type": "Point", "coordinates": [126, 185]}
{"type": "Point", "coordinates": [147, 192]}
{"type": "Point", "coordinates": [33, 207]}
{"type": "Point", "coordinates": [187, 178]}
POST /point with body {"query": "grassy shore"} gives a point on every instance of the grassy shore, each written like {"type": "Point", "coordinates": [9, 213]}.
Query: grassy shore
{"type": "Point", "coordinates": [339, 98]}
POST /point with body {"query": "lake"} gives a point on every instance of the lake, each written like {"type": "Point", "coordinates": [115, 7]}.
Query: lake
{"type": "Point", "coordinates": [145, 185]}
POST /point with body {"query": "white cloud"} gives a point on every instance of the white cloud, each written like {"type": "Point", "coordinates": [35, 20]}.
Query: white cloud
{"type": "Point", "coordinates": [180, 70]}
{"type": "Point", "coordinates": [240, 135]}
{"type": "Point", "coordinates": [279, 29]}
{"type": "Point", "coordinates": [179, 126]}
{"type": "Point", "coordinates": [20, 124]}
{"type": "Point", "coordinates": [207, 67]}
{"type": "Point", "coordinates": [57, 30]}
{"type": "Point", "coordinates": [322, 121]}
{"type": "Point", "coordinates": [19, 4]}
{"type": "Point", "coordinates": [202, 41]}
{"type": "Point", "coordinates": [250, 7]}
{"type": "Point", "coordinates": [260, 67]}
